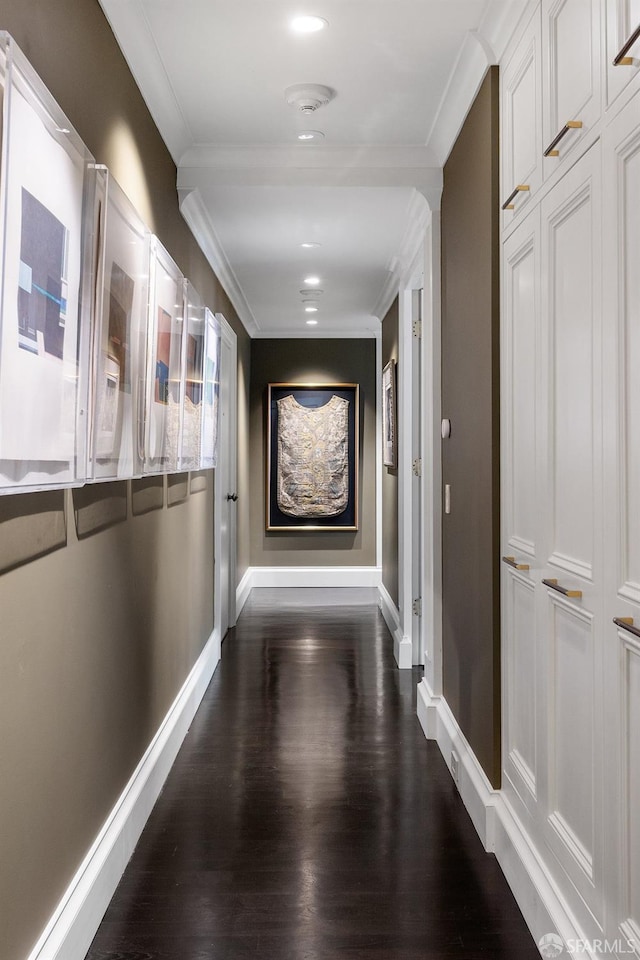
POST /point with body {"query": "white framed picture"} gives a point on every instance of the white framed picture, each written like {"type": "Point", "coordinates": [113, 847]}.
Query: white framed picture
{"type": "Point", "coordinates": [119, 335]}
{"type": "Point", "coordinates": [45, 303]}
{"type": "Point", "coordinates": [164, 369]}
{"type": "Point", "coordinates": [195, 336]}
{"type": "Point", "coordinates": [211, 393]}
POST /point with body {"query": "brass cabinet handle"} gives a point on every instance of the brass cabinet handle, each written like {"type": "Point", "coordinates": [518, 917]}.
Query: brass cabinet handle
{"type": "Point", "coordinates": [512, 562]}
{"type": "Point", "coordinates": [627, 624]}
{"type": "Point", "coordinates": [563, 590]}
{"type": "Point", "coordinates": [522, 187]}
{"type": "Point", "coordinates": [569, 125]}
{"type": "Point", "coordinates": [621, 59]}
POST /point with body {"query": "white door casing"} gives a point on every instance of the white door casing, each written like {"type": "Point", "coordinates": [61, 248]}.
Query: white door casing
{"type": "Point", "coordinates": [225, 487]}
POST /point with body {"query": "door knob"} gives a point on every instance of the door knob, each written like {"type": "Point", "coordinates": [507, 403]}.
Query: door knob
{"type": "Point", "coordinates": [232, 496]}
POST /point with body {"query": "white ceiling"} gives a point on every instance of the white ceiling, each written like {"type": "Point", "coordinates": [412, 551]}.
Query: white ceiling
{"type": "Point", "coordinates": [214, 72]}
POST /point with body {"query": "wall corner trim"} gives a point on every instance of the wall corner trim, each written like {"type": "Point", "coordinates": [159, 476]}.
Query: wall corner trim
{"type": "Point", "coordinates": [74, 923]}
{"type": "Point", "coordinates": [543, 905]}
{"type": "Point", "coordinates": [402, 646]}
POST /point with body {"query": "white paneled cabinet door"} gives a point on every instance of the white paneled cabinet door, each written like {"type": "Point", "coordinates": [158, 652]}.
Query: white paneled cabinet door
{"type": "Point", "coordinates": [569, 603]}
{"type": "Point", "coordinates": [571, 84]}
{"type": "Point", "coordinates": [522, 124]}
{"type": "Point", "coordinates": [521, 509]}
{"type": "Point", "coordinates": [622, 518]}
{"type": "Point", "coordinates": [623, 47]}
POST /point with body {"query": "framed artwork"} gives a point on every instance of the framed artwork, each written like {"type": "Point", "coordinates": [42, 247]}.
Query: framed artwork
{"type": "Point", "coordinates": [389, 410]}
{"type": "Point", "coordinates": [211, 393]}
{"type": "Point", "coordinates": [46, 286]}
{"type": "Point", "coordinates": [119, 334]}
{"type": "Point", "coordinates": [312, 456]}
{"type": "Point", "coordinates": [195, 336]}
{"type": "Point", "coordinates": [164, 371]}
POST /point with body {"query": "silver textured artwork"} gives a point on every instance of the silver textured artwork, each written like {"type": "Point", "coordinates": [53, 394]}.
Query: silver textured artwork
{"type": "Point", "coordinates": [313, 458]}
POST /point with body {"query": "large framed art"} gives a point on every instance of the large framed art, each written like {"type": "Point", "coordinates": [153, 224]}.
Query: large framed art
{"type": "Point", "coordinates": [195, 343]}
{"type": "Point", "coordinates": [116, 447]}
{"type": "Point", "coordinates": [164, 377]}
{"type": "Point", "coordinates": [211, 393]}
{"type": "Point", "coordinates": [46, 251]}
{"type": "Point", "coordinates": [312, 456]}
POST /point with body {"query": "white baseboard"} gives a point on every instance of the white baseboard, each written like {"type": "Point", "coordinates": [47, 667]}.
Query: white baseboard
{"type": "Point", "coordinates": [74, 923]}
{"type": "Point", "coordinates": [314, 576]}
{"type": "Point", "coordinates": [402, 646]}
{"type": "Point", "coordinates": [544, 906]}
{"type": "Point", "coordinates": [243, 590]}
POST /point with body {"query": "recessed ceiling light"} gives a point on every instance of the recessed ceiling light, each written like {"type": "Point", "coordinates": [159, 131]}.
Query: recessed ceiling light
{"type": "Point", "coordinates": [312, 281]}
{"type": "Point", "coordinates": [309, 135]}
{"type": "Point", "coordinates": [308, 244]}
{"type": "Point", "coordinates": [311, 323]}
{"type": "Point", "coordinates": [310, 309]}
{"type": "Point", "coordinates": [308, 24]}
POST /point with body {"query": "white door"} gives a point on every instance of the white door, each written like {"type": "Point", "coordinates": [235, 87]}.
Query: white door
{"type": "Point", "coordinates": [622, 518]}
{"type": "Point", "coordinates": [225, 488]}
{"type": "Point", "coordinates": [569, 594]}
{"type": "Point", "coordinates": [521, 512]}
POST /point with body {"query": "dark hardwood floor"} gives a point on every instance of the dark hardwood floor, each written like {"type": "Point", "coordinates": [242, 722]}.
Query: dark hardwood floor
{"type": "Point", "coordinates": [307, 818]}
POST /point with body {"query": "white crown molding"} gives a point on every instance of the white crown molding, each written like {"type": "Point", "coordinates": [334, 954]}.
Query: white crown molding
{"type": "Point", "coordinates": [131, 29]}
{"type": "Point", "coordinates": [308, 155]}
{"type": "Point", "coordinates": [197, 216]}
{"type": "Point", "coordinates": [480, 49]}
{"type": "Point", "coordinates": [500, 22]}
{"type": "Point", "coordinates": [314, 333]}
{"type": "Point", "coordinates": [403, 264]}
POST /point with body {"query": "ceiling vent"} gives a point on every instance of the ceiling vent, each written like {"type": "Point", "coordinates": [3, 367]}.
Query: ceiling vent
{"type": "Point", "coordinates": [308, 97]}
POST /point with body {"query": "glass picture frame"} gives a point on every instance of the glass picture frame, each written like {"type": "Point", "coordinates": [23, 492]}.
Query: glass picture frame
{"type": "Point", "coordinates": [211, 393]}
{"type": "Point", "coordinates": [164, 367]}
{"type": "Point", "coordinates": [389, 416]}
{"type": "Point", "coordinates": [312, 456]}
{"type": "Point", "coordinates": [194, 345]}
{"type": "Point", "coordinates": [116, 448]}
{"type": "Point", "coordinates": [46, 247]}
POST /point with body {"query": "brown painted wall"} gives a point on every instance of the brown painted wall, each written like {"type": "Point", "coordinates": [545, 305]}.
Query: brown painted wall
{"type": "Point", "coordinates": [97, 633]}
{"type": "Point", "coordinates": [314, 361]}
{"type": "Point", "coordinates": [390, 338]}
{"type": "Point", "coordinates": [470, 458]}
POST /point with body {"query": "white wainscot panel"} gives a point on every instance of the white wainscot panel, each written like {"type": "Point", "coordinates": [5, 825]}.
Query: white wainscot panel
{"type": "Point", "coordinates": [623, 16]}
{"type": "Point", "coordinates": [571, 311]}
{"type": "Point", "coordinates": [629, 362]}
{"type": "Point", "coordinates": [631, 788]}
{"type": "Point", "coordinates": [522, 522]}
{"type": "Point", "coordinates": [572, 774]}
{"type": "Point", "coordinates": [522, 673]}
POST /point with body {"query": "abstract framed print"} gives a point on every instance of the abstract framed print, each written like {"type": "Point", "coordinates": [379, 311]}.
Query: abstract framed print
{"type": "Point", "coordinates": [195, 336]}
{"type": "Point", "coordinates": [312, 456]}
{"type": "Point", "coordinates": [119, 335]}
{"type": "Point", "coordinates": [389, 415]}
{"type": "Point", "coordinates": [45, 297]}
{"type": "Point", "coordinates": [211, 393]}
{"type": "Point", "coordinates": [164, 368]}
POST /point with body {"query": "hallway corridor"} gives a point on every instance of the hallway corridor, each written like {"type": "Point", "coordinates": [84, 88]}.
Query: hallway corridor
{"type": "Point", "coordinates": [306, 817]}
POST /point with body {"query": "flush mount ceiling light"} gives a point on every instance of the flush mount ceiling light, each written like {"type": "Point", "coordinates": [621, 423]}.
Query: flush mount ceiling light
{"type": "Point", "coordinates": [308, 24]}
{"type": "Point", "coordinates": [310, 135]}
{"type": "Point", "coordinates": [308, 97]}
{"type": "Point", "coordinates": [311, 292]}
